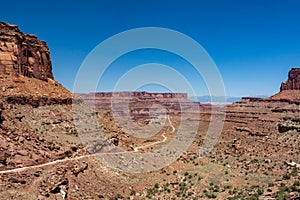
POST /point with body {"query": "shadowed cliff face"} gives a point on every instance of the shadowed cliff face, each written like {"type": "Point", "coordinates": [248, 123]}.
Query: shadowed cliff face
{"type": "Point", "coordinates": [293, 82]}
{"type": "Point", "coordinates": [23, 54]}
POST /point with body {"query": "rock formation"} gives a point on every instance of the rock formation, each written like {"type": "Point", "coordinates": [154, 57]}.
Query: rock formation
{"type": "Point", "coordinates": [290, 90]}
{"type": "Point", "coordinates": [139, 102]}
{"type": "Point", "coordinates": [136, 95]}
{"type": "Point", "coordinates": [31, 102]}
{"type": "Point", "coordinates": [293, 82]}
{"type": "Point", "coordinates": [26, 68]}
{"type": "Point", "coordinates": [23, 54]}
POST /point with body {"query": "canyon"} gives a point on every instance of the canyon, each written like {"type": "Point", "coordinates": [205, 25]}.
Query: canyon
{"type": "Point", "coordinates": [44, 154]}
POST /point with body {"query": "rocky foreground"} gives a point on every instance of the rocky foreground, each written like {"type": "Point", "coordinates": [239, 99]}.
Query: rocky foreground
{"type": "Point", "coordinates": [42, 155]}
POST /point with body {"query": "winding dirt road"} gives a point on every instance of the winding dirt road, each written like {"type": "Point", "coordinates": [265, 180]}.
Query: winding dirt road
{"type": "Point", "coordinates": [22, 169]}
{"type": "Point", "coordinates": [157, 142]}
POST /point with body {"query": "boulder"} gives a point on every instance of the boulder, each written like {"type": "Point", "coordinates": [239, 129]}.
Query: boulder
{"type": "Point", "coordinates": [3, 157]}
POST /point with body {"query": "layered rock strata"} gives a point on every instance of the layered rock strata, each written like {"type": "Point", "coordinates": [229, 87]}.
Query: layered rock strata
{"type": "Point", "coordinates": [23, 54]}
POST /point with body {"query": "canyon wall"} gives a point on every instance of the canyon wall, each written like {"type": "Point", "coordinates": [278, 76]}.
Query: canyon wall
{"type": "Point", "coordinates": [100, 95]}
{"type": "Point", "coordinates": [23, 54]}
{"type": "Point", "coordinates": [140, 103]}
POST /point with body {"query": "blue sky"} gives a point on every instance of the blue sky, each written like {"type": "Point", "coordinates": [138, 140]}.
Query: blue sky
{"type": "Point", "coordinates": [253, 43]}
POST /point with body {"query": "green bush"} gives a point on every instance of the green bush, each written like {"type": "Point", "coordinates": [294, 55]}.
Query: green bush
{"type": "Point", "coordinates": [210, 195]}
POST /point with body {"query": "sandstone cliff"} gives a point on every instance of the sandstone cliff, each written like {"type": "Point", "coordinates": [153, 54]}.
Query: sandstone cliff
{"type": "Point", "coordinates": [23, 54]}
{"type": "Point", "coordinates": [290, 90]}
{"type": "Point", "coordinates": [34, 108]}
{"type": "Point", "coordinates": [25, 66]}
{"type": "Point", "coordinates": [293, 82]}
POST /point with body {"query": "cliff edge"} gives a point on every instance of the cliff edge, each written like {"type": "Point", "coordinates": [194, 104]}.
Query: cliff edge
{"type": "Point", "coordinates": [291, 88]}
{"type": "Point", "coordinates": [25, 65]}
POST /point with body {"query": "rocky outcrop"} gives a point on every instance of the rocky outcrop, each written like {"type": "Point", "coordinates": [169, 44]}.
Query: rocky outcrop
{"type": "Point", "coordinates": [23, 54]}
{"type": "Point", "coordinates": [25, 67]}
{"type": "Point", "coordinates": [289, 124]}
{"type": "Point", "coordinates": [293, 82]}
{"type": "Point", "coordinates": [290, 90]}
{"type": "Point", "coordinates": [40, 101]}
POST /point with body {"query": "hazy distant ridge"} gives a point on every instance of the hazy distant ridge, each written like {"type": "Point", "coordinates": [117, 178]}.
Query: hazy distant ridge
{"type": "Point", "coordinates": [220, 99]}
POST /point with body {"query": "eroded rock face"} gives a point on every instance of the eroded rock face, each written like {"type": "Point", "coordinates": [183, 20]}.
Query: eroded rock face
{"type": "Point", "coordinates": [139, 103]}
{"type": "Point", "coordinates": [293, 82]}
{"type": "Point", "coordinates": [23, 54]}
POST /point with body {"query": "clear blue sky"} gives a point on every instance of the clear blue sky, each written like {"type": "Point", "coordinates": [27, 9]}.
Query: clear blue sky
{"type": "Point", "coordinates": [254, 43]}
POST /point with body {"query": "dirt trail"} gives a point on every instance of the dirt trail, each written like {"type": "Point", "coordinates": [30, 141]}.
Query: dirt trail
{"type": "Point", "coordinates": [21, 169]}
{"type": "Point", "coordinates": [44, 164]}
{"type": "Point", "coordinates": [157, 142]}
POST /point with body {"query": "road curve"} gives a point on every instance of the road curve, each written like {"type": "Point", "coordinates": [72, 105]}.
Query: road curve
{"type": "Point", "coordinates": [21, 169]}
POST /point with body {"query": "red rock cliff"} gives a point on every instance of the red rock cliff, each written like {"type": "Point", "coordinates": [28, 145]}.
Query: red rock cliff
{"type": "Point", "coordinates": [293, 82]}
{"type": "Point", "coordinates": [23, 54]}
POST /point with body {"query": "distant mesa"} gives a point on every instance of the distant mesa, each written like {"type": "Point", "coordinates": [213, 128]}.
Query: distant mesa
{"type": "Point", "coordinates": [95, 95]}
{"type": "Point", "coordinates": [293, 82]}
{"type": "Point", "coordinates": [222, 100]}
{"type": "Point", "coordinates": [141, 103]}
{"type": "Point", "coordinates": [23, 54]}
